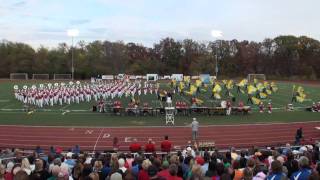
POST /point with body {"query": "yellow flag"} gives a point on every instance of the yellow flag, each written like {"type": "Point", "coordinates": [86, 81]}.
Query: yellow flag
{"type": "Point", "coordinates": [217, 88]}
{"type": "Point", "coordinates": [293, 87]}
{"type": "Point", "coordinates": [251, 89]}
{"type": "Point", "coordinates": [217, 96]}
{"type": "Point", "coordinates": [181, 86]}
{"type": "Point", "coordinates": [193, 89]}
{"type": "Point", "coordinates": [224, 81]}
{"type": "Point", "coordinates": [186, 79]}
{"type": "Point", "coordinates": [198, 83]}
{"type": "Point", "coordinates": [269, 92]}
{"type": "Point", "coordinates": [263, 95]}
{"type": "Point", "coordinates": [260, 86]}
{"type": "Point", "coordinates": [243, 82]}
{"type": "Point", "coordinates": [199, 101]}
{"type": "Point", "coordinates": [230, 84]}
{"type": "Point", "coordinates": [300, 99]}
{"type": "Point", "coordinates": [256, 100]}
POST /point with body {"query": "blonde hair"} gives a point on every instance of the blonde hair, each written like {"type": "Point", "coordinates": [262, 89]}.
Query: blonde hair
{"type": "Point", "coordinates": [196, 169]}
{"type": "Point", "coordinates": [98, 165]}
{"type": "Point", "coordinates": [25, 164]}
{"type": "Point", "coordinates": [174, 159]}
{"type": "Point", "coordinates": [145, 164]}
{"type": "Point", "coordinates": [2, 170]}
{"type": "Point", "coordinates": [38, 164]}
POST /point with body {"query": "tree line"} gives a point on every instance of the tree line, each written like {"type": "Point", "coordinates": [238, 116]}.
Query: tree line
{"type": "Point", "coordinates": [282, 57]}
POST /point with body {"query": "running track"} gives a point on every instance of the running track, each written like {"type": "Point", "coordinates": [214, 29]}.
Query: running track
{"type": "Point", "coordinates": [100, 138]}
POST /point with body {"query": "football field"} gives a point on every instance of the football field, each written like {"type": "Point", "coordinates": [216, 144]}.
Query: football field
{"type": "Point", "coordinates": [82, 115]}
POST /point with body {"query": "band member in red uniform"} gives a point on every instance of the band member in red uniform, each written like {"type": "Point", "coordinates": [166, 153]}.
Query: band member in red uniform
{"type": "Point", "coordinates": [150, 147]}
{"type": "Point", "coordinates": [269, 108]}
{"type": "Point", "coordinates": [135, 146]}
{"type": "Point", "coordinates": [241, 104]}
{"type": "Point", "coordinates": [229, 108]}
{"type": "Point", "coordinates": [261, 107]}
{"type": "Point", "coordinates": [101, 105]}
{"type": "Point", "coordinates": [166, 145]}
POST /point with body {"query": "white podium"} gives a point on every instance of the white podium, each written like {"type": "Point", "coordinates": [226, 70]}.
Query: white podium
{"type": "Point", "coordinates": [170, 115]}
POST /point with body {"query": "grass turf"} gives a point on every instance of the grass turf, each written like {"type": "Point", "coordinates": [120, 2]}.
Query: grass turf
{"type": "Point", "coordinates": [10, 115]}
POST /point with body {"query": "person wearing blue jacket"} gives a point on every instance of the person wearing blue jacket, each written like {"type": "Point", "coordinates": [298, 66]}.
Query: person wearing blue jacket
{"type": "Point", "coordinates": [305, 170]}
{"type": "Point", "coordinates": [276, 171]}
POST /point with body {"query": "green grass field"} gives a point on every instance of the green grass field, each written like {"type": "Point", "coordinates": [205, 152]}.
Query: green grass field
{"type": "Point", "coordinates": [81, 115]}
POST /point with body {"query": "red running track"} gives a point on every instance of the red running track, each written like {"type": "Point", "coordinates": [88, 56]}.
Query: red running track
{"type": "Point", "coordinates": [100, 138]}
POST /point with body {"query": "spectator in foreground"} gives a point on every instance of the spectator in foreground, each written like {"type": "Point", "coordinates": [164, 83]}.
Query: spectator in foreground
{"type": "Point", "coordinates": [173, 170]}
{"type": "Point", "coordinates": [276, 171]}
{"type": "Point", "coordinates": [143, 173]}
{"type": "Point", "coordinates": [8, 174]}
{"type": "Point", "coordinates": [304, 171]}
{"type": "Point", "coordinates": [76, 149]}
{"type": "Point", "coordinates": [165, 170]}
{"type": "Point", "coordinates": [25, 166]}
{"type": "Point", "coordinates": [39, 172]}
{"type": "Point", "coordinates": [153, 173]}
{"type": "Point", "coordinates": [21, 175]}
{"type": "Point", "coordinates": [2, 171]}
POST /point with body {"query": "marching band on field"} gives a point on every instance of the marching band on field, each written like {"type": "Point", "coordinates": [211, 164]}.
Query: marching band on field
{"type": "Point", "coordinates": [62, 93]}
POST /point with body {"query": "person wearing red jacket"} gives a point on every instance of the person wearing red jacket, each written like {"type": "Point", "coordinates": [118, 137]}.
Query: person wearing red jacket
{"type": "Point", "coordinates": [135, 146]}
{"type": "Point", "coordinates": [150, 147]}
{"type": "Point", "coordinates": [166, 145]}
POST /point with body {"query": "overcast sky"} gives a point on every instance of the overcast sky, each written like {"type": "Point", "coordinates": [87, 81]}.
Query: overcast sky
{"type": "Point", "coordinates": [45, 22]}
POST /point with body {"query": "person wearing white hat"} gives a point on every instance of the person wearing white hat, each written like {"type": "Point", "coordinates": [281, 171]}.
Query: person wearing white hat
{"type": "Point", "coordinates": [195, 129]}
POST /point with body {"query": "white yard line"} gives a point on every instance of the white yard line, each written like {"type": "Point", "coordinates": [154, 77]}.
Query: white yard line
{"type": "Point", "coordinates": [95, 145]}
{"type": "Point", "coordinates": [64, 107]}
{"type": "Point", "coordinates": [6, 106]}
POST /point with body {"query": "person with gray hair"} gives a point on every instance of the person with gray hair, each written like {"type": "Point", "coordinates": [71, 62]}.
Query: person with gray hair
{"type": "Point", "coordinates": [305, 170]}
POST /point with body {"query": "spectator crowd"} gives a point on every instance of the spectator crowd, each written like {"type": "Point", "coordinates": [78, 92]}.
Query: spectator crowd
{"type": "Point", "coordinates": [189, 164]}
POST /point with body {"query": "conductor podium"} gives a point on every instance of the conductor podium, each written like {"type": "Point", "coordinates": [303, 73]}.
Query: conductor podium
{"type": "Point", "coordinates": [170, 111]}
{"type": "Point", "coordinates": [170, 115]}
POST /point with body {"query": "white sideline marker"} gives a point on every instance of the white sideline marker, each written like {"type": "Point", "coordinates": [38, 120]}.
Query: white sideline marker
{"type": "Point", "coordinates": [88, 131]}
{"type": "Point", "coordinates": [65, 112]}
{"type": "Point", "coordinates": [106, 135]}
{"type": "Point", "coordinates": [128, 139]}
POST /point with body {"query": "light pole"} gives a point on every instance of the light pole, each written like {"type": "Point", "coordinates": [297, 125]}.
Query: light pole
{"type": "Point", "coordinates": [72, 33]}
{"type": "Point", "coordinates": [217, 35]}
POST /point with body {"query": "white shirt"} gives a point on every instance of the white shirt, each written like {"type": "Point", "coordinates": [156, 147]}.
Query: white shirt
{"type": "Point", "coordinates": [195, 125]}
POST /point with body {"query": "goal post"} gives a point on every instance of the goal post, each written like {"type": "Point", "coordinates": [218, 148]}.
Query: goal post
{"type": "Point", "coordinates": [259, 77]}
{"type": "Point", "coordinates": [18, 76]}
{"type": "Point", "coordinates": [40, 76]}
{"type": "Point", "coordinates": [62, 76]}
